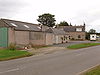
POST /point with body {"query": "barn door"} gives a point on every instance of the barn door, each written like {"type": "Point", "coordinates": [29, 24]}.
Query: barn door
{"type": "Point", "coordinates": [3, 37]}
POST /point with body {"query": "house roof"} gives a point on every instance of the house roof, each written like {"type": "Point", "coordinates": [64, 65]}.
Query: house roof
{"type": "Point", "coordinates": [71, 28]}
{"type": "Point", "coordinates": [18, 25]}
{"type": "Point", "coordinates": [56, 31]}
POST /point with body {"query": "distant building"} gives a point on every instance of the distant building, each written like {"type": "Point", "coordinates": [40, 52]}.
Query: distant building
{"type": "Point", "coordinates": [93, 37]}
{"type": "Point", "coordinates": [59, 36]}
{"type": "Point", "coordinates": [98, 36]}
{"type": "Point", "coordinates": [74, 32]}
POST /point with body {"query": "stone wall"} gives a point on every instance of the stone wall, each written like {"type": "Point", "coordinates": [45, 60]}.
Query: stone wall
{"type": "Point", "coordinates": [76, 35]}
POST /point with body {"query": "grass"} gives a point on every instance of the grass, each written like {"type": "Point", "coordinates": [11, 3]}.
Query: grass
{"type": "Point", "coordinates": [82, 45]}
{"type": "Point", "coordinates": [12, 54]}
{"type": "Point", "coordinates": [93, 71]}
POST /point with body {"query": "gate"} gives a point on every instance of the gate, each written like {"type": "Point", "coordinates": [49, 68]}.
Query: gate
{"type": "Point", "coordinates": [3, 37]}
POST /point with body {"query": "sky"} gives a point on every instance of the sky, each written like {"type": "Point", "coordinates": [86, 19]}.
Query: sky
{"type": "Point", "coordinates": [75, 11]}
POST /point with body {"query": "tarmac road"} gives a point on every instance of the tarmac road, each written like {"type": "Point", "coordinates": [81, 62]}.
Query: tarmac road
{"type": "Point", "coordinates": [65, 62]}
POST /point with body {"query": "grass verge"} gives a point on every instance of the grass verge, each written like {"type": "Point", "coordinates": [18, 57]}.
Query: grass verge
{"type": "Point", "coordinates": [82, 45]}
{"type": "Point", "coordinates": [12, 54]}
{"type": "Point", "coordinates": [93, 71]}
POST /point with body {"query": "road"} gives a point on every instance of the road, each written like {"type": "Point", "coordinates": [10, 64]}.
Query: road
{"type": "Point", "coordinates": [65, 62]}
{"type": "Point", "coordinates": [73, 42]}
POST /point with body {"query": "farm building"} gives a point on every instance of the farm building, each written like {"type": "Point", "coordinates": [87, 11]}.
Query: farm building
{"type": "Point", "coordinates": [74, 32]}
{"type": "Point", "coordinates": [23, 33]}
{"type": "Point", "coordinates": [59, 36]}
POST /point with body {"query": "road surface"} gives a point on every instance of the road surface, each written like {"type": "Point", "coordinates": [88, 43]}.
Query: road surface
{"type": "Point", "coordinates": [63, 62]}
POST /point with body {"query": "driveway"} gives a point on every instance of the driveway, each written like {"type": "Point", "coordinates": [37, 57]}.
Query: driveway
{"type": "Point", "coordinates": [55, 48]}
{"type": "Point", "coordinates": [59, 63]}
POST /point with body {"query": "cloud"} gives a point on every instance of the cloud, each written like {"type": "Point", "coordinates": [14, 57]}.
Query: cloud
{"type": "Point", "coordinates": [10, 7]}
{"type": "Point", "coordinates": [74, 11]}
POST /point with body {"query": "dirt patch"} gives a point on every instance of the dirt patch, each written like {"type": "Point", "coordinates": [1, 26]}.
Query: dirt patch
{"type": "Point", "coordinates": [47, 50]}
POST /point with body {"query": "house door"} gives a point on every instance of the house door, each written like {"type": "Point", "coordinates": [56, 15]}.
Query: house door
{"type": "Point", "coordinates": [3, 37]}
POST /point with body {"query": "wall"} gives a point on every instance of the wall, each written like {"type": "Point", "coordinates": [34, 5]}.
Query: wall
{"type": "Point", "coordinates": [37, 38]}
{"type": "Point", "coordinates": [54, 39]}
{"type": "Point", "coordinates": [49, 39]}
{"type": "Point", "coordinates": [11, 36]}
{"type": "Point", "coordinates": [57, 39]}
{"type": "Point", "coordinates": [26, 37]}
{"type": "Point", "coordinates": [22, 37]}
{"type": "Point", "coordinates": [76, 34]}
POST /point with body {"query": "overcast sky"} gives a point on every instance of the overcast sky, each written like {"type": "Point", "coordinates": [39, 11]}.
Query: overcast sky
{"type": "Point", "coordinates": [74, 11]}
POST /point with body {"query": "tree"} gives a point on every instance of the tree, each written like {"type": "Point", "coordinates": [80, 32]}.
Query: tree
{"type": "Point", "coordinates": [87, 36]}
{"type": "Point", "coordinates": [63, 23]}
{"type": "Point", "coordinates": [47, 19]}
{"type": "Point", "coordinates": [92, 31]}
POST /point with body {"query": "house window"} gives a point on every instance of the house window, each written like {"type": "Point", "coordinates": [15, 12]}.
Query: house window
{"type": "Point", "coordinates": [79, 36]}
{"type": "Point", "coordinates": [79, 29]}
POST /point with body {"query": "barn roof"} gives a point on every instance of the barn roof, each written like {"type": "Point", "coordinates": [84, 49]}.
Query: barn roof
{"type": "Point", "coordinates": [18, 25]}
{"type": "Point", "coordinates": [56, 31]}
{"type": "Point", "coordinates": [71, 28]}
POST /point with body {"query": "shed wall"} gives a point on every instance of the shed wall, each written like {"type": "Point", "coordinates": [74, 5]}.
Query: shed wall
{"type": "Point", "coordinates": [37, 38]}
{"type": "Point", "coordinates": [49, 39]}
{"type": "Point", "coordinates": [22, 37]}
{"type": "Point", "coordinates": [57, 39]}
{"type": "Point", "coordinates": [11, 36]}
